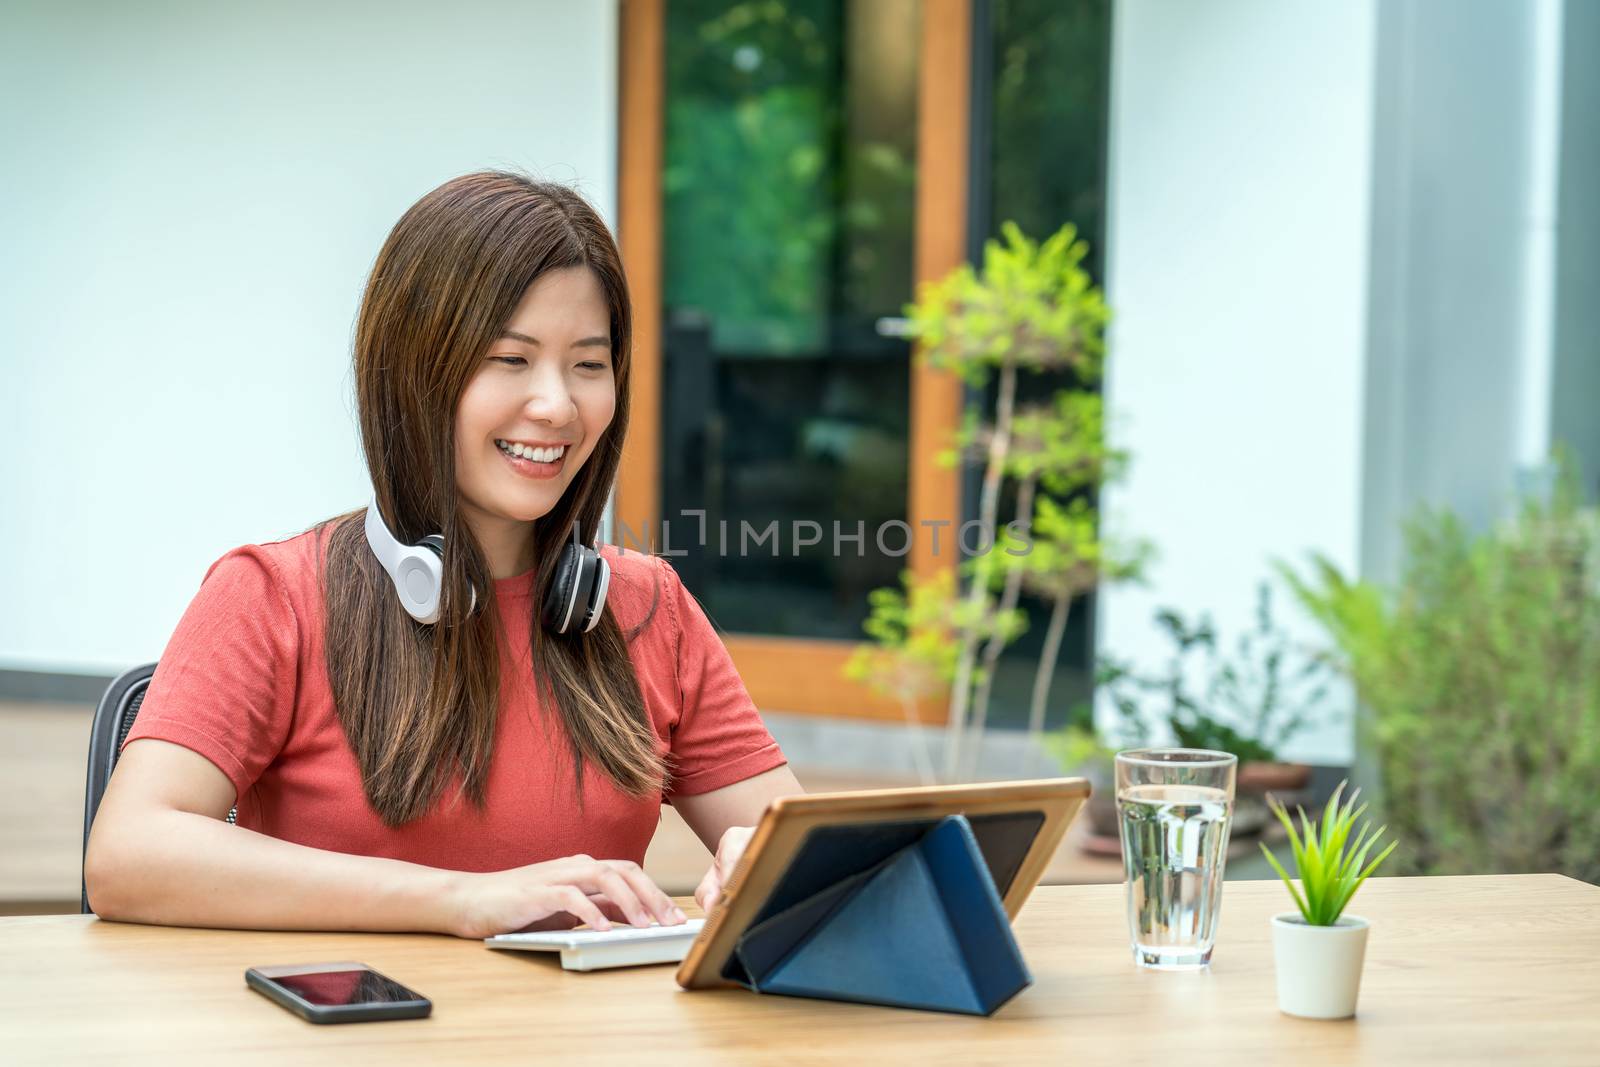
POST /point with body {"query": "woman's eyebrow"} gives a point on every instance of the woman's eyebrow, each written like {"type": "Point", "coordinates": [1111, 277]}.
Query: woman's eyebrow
{"type": "Point", "coordinates": [587, 342]}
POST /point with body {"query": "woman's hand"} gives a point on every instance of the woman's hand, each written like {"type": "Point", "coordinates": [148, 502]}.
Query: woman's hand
{"type": "Point", "coordinates": [729, 849]}
{"type": "Point", "coordinates": [556, 895]}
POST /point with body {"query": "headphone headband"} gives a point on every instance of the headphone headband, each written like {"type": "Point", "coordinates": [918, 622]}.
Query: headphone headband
{"type": "Point", "coordinates": [574, 602]}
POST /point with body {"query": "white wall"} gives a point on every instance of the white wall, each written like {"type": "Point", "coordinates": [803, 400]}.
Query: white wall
{"type": "Point", "coordinates": [1575, 381]}
{"type": "Point", "coordinates": [1352, 256]}
{"type": "Point", "coordinates": [1459, 407]}
{"type": "Point", "coordinates": [1241, 133]}
{"type": "Point", "coordinates": [192, 196]}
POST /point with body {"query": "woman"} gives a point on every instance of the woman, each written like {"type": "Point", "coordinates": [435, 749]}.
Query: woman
{"type": "Point", "coordinates": [481, 773]}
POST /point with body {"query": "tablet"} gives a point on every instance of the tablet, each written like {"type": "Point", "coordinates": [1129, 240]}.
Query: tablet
{"type": "Point", "coordinates": [807, 842]}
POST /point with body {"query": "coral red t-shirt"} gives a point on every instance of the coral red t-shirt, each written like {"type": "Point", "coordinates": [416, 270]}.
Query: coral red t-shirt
{"type": "Point", "coordinates": [243, 682]}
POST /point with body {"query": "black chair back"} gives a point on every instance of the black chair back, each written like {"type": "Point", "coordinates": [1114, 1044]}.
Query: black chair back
{"type": "Point", "coordinates": [113, 718]}
{"type": "Point", "coordinates": [112, 721]}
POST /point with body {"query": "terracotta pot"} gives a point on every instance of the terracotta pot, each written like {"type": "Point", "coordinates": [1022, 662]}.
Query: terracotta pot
{"type": "Point", "coordinates": [1272, 777]}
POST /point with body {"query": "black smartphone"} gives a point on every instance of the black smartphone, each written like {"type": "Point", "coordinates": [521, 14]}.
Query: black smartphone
{"type": "Point", "coordinates": [338, 992]}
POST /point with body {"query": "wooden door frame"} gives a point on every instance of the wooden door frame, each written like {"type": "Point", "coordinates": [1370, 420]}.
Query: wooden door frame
{"type": "Point", "coordinates": [783, 673]}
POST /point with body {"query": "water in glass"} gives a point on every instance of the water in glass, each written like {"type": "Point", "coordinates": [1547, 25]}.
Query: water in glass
{"type": "Point", "coordinates": [1174, 847]}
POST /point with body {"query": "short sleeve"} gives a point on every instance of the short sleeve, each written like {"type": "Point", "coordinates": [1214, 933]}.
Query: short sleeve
{"type": "Point", "coordinates": [719, 738]}
{"type": "Point", "coordinates": [225, 685]}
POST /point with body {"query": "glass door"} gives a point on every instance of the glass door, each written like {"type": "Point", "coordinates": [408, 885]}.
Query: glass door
{"type": "Point", "coordinates": [793, 226]}
{"type": "Point", "coordinates": [787, 225]}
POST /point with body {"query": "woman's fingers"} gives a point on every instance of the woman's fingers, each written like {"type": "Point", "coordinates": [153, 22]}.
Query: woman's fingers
{"type": "Point", "coordinates": [609, 909]}
{"type": "Point", "coordinates": [574, 901]}
{"type": "Point", "coordinates": [709, 890]}
{"type": "Point", "coordinates": [659, 905]}
{"type": "Point", "coordinates": [611, 882]}
{"type": "Point", "coordinates": [628, 887]}
{"type": "Point", "coordinates": [730, 849]}
{"type": "Point", "coordinates": [594, 892]}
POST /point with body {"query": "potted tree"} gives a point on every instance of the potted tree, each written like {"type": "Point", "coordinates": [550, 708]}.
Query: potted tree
{"type": "Point", "coordinates": [917, 633]}
{"type": "Point", "coordinates": [1251, 701]}
{"type": "Point", "coordinates": [1029, 309]}
{"type": "Point", "coordinates": [1251, 698]}
{"type": "Point", "coordinates": [1318, 953]}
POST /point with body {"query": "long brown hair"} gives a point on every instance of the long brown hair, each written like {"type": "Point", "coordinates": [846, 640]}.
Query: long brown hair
{"type": "Point", "coordinates": [419, 702]}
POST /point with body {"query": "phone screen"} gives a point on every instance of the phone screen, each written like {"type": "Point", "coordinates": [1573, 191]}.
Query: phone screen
{"type": "Point", "coordinates": [342, 988]}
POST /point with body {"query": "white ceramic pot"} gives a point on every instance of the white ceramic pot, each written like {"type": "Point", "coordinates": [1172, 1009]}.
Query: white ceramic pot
{"type": "Point", "coordinates": [1319, 967]}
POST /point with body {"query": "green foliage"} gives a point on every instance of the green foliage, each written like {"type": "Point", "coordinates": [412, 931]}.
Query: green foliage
{"type": "Point", "coordinates": [779, 212]}
{"type": "Point", "coordinates": [1051, 98]}
{"type": "Point", "coordinates": [1252, 702]}
{"type": "Point", "coordinates": [1068, 556]}
{"type": "Point", "coordinates": [1032, 305]}
{"type": "Point", "coordinates": [1078, 744]}
{"type": "Point", "coordinates": [1330, 862]}
{"type": "Point", "coordinates": [1031, 308]}
{"type": "Point", "coordinates": [1481, 673]}
{"type": "Point", "coordinates": [917, 636]}
{"type": "Point", "coordinates": [1063, 444]}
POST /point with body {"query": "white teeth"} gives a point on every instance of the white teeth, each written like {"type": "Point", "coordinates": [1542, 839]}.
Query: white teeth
{"type": "Point", "coordinates": [538, 455]}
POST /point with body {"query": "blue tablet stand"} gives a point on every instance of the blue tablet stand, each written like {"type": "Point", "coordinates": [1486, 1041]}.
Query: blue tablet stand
{"type": "Point", "coordinates": [923, 928]}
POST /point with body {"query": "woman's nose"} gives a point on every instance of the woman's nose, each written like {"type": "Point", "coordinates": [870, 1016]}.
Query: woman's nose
{"type": "Point", "coordinates": [550, 401]}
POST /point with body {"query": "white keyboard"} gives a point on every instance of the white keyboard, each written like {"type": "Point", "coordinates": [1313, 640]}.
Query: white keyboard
{"type": "Point", "coordinates": [620, 946]}
{"type": "Point", "coordinates": [616, 935]}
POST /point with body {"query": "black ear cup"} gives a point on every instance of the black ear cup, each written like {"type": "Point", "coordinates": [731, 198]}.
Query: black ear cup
{"type": "Point", "coordinates": [559, 595]}
{"type": "Point", "coordinates": [597, 602]}
{"type": "Point", "coordinates": [578, 591]}
{"type": "Point", "coordinates": [570, 605]}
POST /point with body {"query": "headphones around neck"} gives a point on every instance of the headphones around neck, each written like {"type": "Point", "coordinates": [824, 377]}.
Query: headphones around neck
{"type": "Point", "coordinates": [573, 604]}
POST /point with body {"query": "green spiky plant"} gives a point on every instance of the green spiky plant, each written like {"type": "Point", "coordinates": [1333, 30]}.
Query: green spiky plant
{"type": "Point", "coordinates": [1328, 860]}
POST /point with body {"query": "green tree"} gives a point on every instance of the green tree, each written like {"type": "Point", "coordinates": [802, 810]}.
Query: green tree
{"type": "Point", "coordinates": [1029, 308]}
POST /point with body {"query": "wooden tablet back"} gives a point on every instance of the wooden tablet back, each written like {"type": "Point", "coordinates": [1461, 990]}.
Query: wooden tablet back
{"type": "Point", "coordinates": [1018, 826]}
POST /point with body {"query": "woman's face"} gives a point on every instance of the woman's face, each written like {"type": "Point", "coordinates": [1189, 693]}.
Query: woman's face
{"type": "Point", "coordinates": [545, 388]}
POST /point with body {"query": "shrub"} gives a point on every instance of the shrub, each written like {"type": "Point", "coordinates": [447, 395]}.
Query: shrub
{"type": "Point", "coordinates": [1481, 676]}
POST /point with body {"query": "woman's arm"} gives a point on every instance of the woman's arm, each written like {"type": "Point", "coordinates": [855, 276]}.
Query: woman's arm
{"type": "Point", "coordinates": [725, 818]}
{"type": "Point", "coordinates": [161, 852]}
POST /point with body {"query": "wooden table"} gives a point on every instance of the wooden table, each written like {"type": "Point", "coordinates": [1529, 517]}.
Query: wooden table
{"type": "Point", "coordinates": [1459, 970]}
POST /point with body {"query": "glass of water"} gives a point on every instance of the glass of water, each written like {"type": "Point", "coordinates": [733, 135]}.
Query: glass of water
{"type": "Point", "coordinates": [1174, 806]}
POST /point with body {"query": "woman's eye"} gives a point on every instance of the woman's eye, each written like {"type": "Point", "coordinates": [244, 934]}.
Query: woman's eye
{"type": "Point", "coordinates": [592, 365]}
{"type": "Point", "coordinates": [510, 361]}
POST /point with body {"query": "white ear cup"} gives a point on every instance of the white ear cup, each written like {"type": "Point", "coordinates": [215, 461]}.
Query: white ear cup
{"type": "Point", "coordinates": [436, 542]}
{"type": "Point", "coordinates": [418, 580]}
{"type": "Point", "coordinates": [416, 570]}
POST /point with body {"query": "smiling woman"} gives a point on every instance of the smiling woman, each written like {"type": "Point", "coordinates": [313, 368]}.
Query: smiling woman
{"type": "Point", "coordinates": [456, 774]}
{"type": "Point", "coordinates": [533, 412]}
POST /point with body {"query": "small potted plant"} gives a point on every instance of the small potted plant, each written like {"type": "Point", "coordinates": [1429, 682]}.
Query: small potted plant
{"type": "Point", "coordinates": [1319, 952]}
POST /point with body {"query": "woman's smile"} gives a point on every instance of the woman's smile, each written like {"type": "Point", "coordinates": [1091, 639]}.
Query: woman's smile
{"type": "Point", "coordinates": [531, 462]}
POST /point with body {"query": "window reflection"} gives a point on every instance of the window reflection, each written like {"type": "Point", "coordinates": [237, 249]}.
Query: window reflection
{"type": "Point", "coordinates": [788, 211]}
